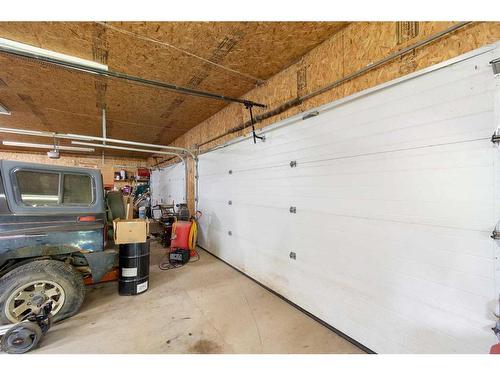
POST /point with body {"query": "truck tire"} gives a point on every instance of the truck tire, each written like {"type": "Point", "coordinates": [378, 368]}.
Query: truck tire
{"type": "Point", "coordinates": [31, 284]}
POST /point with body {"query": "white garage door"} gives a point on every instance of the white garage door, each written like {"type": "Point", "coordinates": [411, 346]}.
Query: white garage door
{"type": "Point", "coordinates": [169, 184]}
{"type": "Point", "coordinates": [395, 193]}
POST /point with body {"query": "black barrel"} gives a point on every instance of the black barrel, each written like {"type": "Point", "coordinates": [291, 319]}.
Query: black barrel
{"type": "Point", "coordinates": [134, 268]}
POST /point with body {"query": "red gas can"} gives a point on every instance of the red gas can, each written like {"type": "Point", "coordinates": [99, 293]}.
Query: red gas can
{"type": "Point", "coordinates": [495, 349]}
{"type": "Point", "coordinates": [180, 235]}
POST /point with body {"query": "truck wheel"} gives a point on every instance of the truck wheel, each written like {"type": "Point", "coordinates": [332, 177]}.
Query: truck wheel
{"type": "Point", "coordinates": [28, 286]}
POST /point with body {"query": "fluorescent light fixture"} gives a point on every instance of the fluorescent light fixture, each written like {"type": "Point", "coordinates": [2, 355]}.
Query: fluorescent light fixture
{"type": "Point", "coordinates": [4, 110]}
{"type": "Point", "coordinates": [13, 46]}
{"type": "Point", "coordinates": [45, 146]}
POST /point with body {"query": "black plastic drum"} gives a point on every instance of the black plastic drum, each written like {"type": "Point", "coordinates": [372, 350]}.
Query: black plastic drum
{"type": "Point", "coordinates": [134, 268]}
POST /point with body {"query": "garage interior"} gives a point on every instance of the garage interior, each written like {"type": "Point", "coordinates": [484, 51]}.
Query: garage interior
{"type": "Point", "coordinates": [340, 179]}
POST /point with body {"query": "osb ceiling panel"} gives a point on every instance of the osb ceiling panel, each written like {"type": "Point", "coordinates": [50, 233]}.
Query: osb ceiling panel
{"type": "Point", "coordinates": [228, 58]}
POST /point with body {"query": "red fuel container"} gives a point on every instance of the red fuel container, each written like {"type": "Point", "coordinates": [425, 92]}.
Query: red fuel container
{"type": "Point", "coordinates": [180, 238]}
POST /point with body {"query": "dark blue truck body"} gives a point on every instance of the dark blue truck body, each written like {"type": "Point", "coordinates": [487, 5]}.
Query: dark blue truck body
{"type": "Point", "coordinates": [55, 228]}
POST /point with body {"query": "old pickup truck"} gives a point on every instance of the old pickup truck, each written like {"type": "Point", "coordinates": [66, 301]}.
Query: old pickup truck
{"type": "Point", "coordinates": [52, 226]}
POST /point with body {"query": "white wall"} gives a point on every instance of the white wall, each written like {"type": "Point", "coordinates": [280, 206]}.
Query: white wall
{"type": "Point", "coordinates": [396, 194]}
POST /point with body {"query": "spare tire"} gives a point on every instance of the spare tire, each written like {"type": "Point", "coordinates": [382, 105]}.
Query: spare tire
{"type": "Point", "coordinates": [28, 286]}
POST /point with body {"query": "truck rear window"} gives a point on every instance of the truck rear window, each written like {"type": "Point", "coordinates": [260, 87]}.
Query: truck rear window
{"type": "Point", "coordinates": [38, 188]}
{"type": "Point", "coordinates": [77, 189]}
{"type": "Point", "coordinates": [45, 188]}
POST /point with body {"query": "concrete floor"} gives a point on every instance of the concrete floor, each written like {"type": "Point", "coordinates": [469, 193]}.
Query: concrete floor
{"type": "Point", "coordinates": [204, 307]}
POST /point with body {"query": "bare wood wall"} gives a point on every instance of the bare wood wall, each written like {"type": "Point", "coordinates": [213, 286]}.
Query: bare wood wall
{"type": "Point", "coordinates": [354, 47]}
{"type": "Point", "coordinates": [74, 161]}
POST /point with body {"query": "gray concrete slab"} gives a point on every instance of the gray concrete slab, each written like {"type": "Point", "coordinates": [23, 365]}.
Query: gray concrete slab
{"type": "Point", "coordinates": [203, 307]}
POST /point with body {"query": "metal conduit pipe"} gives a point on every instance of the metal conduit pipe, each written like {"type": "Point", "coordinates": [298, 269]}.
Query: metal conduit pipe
{"type": "Point", "coordinates": [125, 148]}
{"type": "Point", "coordinates": [134, 79]}
{"type": "Point", "coordinates": [37, 133]}
{"type": "Point", "coordinates": [299, 100]}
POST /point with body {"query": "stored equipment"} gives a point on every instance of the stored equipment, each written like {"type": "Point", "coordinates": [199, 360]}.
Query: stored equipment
{"type": "Point", "coordinates": [179, 257]}
{"type": "Point", "coordinates": [24, 336]}
{"type": "Point", "coordinates": [166, 234]}
{"type": "Point", "coordinates": [183, 212]}
{"type": "Point", "coordinates": [180, 234]}
{"type": "Point", "coordinates": [182, 244]}
{"type": "Point", "coordinates": [184, 234]}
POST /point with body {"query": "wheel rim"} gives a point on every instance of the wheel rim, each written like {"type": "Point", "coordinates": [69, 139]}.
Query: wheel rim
{"type": "Point", "coordinates": [31, 296]}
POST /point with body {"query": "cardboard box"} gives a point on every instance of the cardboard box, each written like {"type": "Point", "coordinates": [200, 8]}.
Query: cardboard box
{"type": "Point", "coordinates": [130, 231]}
{"type": "Point", "coordinates": [129, 207]}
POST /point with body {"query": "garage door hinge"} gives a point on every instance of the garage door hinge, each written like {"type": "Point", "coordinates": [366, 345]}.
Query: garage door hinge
{"type": "Point", "coordinates": [495, 138]}
{"type": "Point", "coordinates": [310, 114]}
{"type": "Point", "coordinates": [495, 65]}
{"type": "Point", "coordinates": [495, 235]}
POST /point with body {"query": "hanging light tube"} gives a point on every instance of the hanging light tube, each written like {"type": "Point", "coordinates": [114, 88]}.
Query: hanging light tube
{"type": "Point", "coordinates": [46, 146]}
{"type": "Point", "coordinates": [4, 110]}
{"type": "Point", "coordinates": [35, 52]}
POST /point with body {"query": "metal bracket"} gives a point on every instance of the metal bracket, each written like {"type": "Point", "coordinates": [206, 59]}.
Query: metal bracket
{"type": "Point", "coordinates": [293, 164]}
{"type": "Point", "coordinates": [495, 138]}
{"type": "Point", "coordinates": [249, 106]}
{"type": "Point", "coordinates": [495, 65]}
{"type": "Point", "coordinates": [293, 255]}
{"type": "Point", "coordinates": [230, 202]}
{"type": "Point", "coordinates": [310, 114]}
{"type": "Point", "coordinates": [293, 210]}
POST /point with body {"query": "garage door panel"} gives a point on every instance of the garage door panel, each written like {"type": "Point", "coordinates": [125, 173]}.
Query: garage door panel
{"type": "Point", "coordinates": [393, 277]}
{"type": "Point", "coordinates": [465, 250]}
{"type": "Point", "coordinates": [457, 113]}
{"type": "Point", "coordinates": [431, 157]}
{"type": "Point", "coordinates": [418, 195]}
{"type": "Point", "coordinates": [395, 195]}
{"type": "Point", "coordinates": [433, 98]}
{"type": "Point", "coordinates": [397, 310]}
{"type": "Point", "coordinates": [403, 141]}
{"type": "Point", "coordinates": [392, 259]}
{"type": "Point", "coordinates": [168, 184]}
